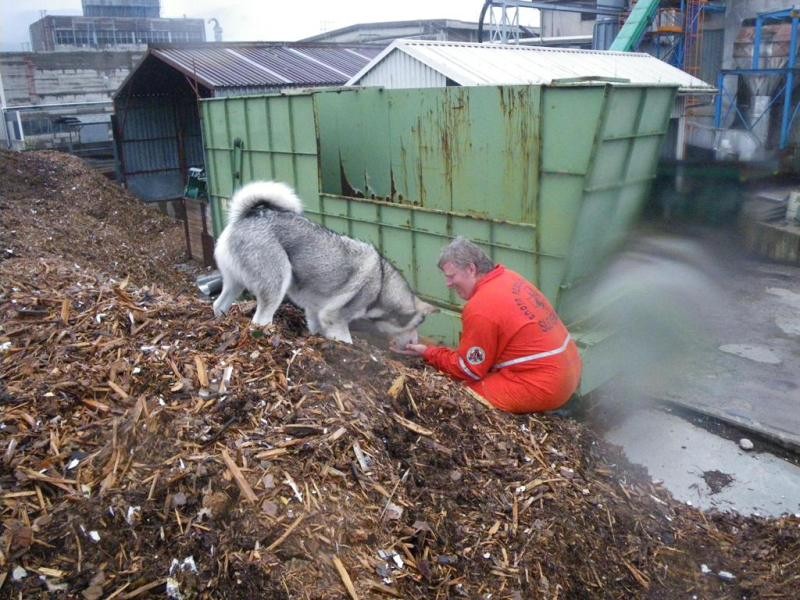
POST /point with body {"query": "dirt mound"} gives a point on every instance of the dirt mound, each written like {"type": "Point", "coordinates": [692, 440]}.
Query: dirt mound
{"type": "Point", "coordinates": [149, 450]}
{"type": "Point", "coordinates": [54, 204]}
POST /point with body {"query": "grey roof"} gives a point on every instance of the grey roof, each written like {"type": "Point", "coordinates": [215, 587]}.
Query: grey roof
{"type": "Point", "coordinates": [495, 64]}
{"type": "Point", "coordinates": [259, 64]}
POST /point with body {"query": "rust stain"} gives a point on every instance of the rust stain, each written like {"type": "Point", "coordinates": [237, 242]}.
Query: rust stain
{"type": "Point", "coordinates": [422, 149]}
{"type": "Point", "coordinates": [404, 166]}
{"type": "Point", "coordinates": [454, 130]}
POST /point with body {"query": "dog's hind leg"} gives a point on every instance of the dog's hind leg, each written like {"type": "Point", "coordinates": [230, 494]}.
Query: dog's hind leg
{"type": "Point", "coordinates": [231, 290]}
{"type": "Point", "coordinates": [271, 292]}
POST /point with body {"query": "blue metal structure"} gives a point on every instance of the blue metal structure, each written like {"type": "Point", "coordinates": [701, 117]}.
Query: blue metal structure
{"type": "Point", "coordinates": [691, 12]}
{"type": "Point", "coordinates": [789, 73]}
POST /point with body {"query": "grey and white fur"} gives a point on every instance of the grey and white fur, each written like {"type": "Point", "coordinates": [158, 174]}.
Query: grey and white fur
{"type": "Point", "coordinates": [270, 249]}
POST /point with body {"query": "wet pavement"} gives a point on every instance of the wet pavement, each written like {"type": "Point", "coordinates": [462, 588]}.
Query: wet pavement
{"type": "Point", "coordinates": [736, 361]}
{"type": "Point", "coordinates": [704, 469]}
{"type": "Point", "coordinates": [747, 371]}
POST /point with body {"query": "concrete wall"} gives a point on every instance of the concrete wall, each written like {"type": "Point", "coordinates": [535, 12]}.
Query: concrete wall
{"type": "Point", "coordinates": [58, 85]}
{"type": "Point", "coordinates": [53, 78]}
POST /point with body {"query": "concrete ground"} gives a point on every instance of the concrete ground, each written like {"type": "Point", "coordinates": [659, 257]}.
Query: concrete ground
{"type": "Point", "coordinates": [704, 469]}
{"type": "Point", "coordinates": [735, 361]}
{"type": "Point", "coordinates": [747, 369]}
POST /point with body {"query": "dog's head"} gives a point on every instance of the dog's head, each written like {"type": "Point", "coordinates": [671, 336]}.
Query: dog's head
{"type": "Point", "coordinates": [400, 323]}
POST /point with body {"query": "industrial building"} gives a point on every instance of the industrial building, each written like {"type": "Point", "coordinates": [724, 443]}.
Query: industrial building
{"type": "Point", "coordinates": [59, 95]}
{"type": "Point", "coordinates": [60, 99]}
{"type": "Point", "coordinates": [113, 24]}
{"type": "Point", "coordinates": [747, 50]}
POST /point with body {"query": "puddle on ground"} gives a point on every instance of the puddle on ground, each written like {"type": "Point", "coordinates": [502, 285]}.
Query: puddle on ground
{"type": "Point", "coordinates": [705, 470]}
{"type": "Point", "coordinates": [789, 325]}
{"type": "Point", "coordinates": [787, 296]}
{"type": "Point", "coordinates": [761, 354]}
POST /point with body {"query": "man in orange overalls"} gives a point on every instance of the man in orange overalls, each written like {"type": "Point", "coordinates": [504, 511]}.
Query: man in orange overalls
{"type": "Point", "coordinates": [515, 352]}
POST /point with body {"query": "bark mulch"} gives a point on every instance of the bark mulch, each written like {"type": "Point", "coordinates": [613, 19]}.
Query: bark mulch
{"type": "Point", "coordinates": [149, 450]}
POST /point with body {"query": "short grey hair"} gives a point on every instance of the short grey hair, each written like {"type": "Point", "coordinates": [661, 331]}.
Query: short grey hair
{"type": "Point", "coordinates": [462, 253]}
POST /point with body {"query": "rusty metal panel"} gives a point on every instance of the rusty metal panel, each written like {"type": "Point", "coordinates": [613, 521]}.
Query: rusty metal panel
{"type": "Point", "coordinates": [470, 150]}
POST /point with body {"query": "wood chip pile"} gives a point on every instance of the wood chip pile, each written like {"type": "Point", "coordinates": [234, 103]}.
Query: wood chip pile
{"type": "Point", "coordinates": [148, 450]}
{"type": "Point", "coordinates": [54, 204]}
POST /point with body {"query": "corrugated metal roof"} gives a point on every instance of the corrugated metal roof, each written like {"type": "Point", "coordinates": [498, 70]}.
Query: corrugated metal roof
{"type": "Point", "coordinates": [495, 64]}
{"type": "Point", "coordinates": [217, 65]}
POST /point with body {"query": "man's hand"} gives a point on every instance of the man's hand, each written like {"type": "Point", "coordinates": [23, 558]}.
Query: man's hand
{"type": "Point", "coordinates": [411, 349]}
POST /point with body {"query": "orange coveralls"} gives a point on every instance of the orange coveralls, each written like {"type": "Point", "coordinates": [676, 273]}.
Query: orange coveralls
{"type": "Point", "coordinates": [514, 349]}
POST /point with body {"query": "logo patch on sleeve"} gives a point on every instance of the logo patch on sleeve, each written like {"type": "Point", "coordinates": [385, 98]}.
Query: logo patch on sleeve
{"type": "Point", "coordinates": [476, 355]}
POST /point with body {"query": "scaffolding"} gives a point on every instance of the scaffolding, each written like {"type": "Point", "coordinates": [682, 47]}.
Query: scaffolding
{"type": "Point", "coordinates": [784, 93]}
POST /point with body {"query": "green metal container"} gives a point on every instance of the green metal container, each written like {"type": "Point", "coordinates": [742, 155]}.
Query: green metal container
{"type": "Point", "coordinates": [548, 179]}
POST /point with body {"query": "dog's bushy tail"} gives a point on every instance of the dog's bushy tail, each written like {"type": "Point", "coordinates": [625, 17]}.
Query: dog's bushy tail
{"type": "Point", "coordinates": [274, 194]}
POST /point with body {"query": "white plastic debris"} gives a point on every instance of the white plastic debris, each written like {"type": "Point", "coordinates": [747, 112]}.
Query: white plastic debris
{"type": "Point", "coordinates": [297, 493]}
{"type": "Point", "coordinates": [188, 564]}
{"type": "Point", "coordinates": [745, 444]}
{"type": "Point", "coordinates": [393, 556]}
{"type": "Point", "coordinates": [94, 536]}
{"type": "Point", "coordinates": [73, 463]}
{"type": "Point", "coordinates": [134, 515]}
{"type": "Point", "coordinates": [18, 574]}
{"type": "Point", "coordinates": [173, 589]}
{"type": "Point", "coordinates": [726, 575]}
{"type": "Point", "coordinates": [393, 511]}
{"type": "Point", "coordinates": [53, 587]}
{"type": "Point", "coordinates": [704, 569]}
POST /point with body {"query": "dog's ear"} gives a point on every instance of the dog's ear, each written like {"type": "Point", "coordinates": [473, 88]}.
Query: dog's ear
{"type": "Point", "coordinates": [425, 308]}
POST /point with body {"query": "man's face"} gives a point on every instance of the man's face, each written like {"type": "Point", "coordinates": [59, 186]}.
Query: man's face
{"type": "Point", "coordinates": [461, 280]}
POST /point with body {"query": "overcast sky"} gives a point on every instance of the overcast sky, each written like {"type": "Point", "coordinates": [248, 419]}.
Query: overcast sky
{"type": "Point", "coordinates": [257, 20]}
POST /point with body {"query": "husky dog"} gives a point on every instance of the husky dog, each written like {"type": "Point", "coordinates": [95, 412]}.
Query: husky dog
{"type": "Point", "coordinates": [270, 249]}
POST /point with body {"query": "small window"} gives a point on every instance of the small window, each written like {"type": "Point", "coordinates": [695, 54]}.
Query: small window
{"type": "Point", "coordinates": [588, 16]}
{"type": "Point", "coordinates": [65, 36]}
